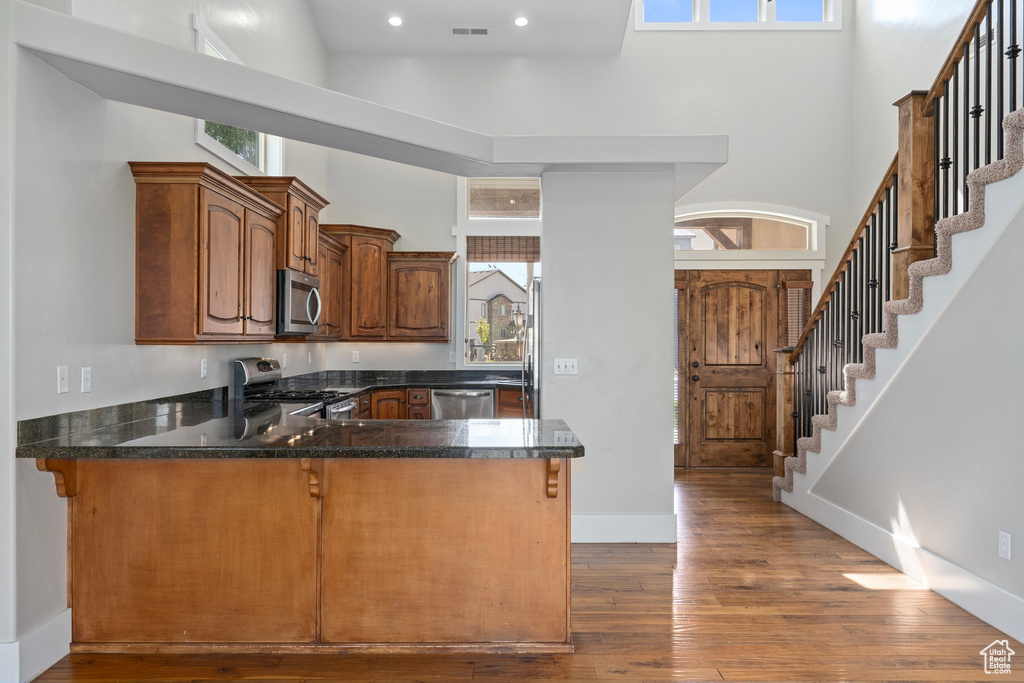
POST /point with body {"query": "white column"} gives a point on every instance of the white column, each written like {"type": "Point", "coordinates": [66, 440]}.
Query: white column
{"type": "Point", "coordinates": [608, 288]}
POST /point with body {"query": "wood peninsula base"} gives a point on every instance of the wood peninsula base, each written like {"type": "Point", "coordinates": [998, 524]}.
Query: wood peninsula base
{"type": "Point", "coordinates": [317, 555]}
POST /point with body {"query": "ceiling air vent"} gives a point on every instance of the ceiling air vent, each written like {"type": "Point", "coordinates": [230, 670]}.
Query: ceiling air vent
{"type": "Point", "coordinates": [470, 31]}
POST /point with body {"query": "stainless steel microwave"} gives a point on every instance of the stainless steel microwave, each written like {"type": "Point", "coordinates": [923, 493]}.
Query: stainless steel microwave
{"type": "Point", "coordinates": [298, 303]}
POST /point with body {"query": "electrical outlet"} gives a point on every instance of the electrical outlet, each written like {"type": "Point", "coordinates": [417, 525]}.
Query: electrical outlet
{"type": "Point", "coordinates": [1004, 544]}
{"type": "Point", "coordinates": [202, 368]}
{"type": "Point", "coordinates": [86, 379]}
{"type": "Point", "coordinates": [284, 360]}
{"type": "Point", "coordinates": [309, 361]}
{"type": "Point", "coordinates": [62, 379]}
{"type": "Point", "coordinates": [451, 356]}
{"type": "Point", "coordinates": [564, 437]}
{"type": "Point", "coordinates": [355, 356]}
{"type": "Point", "coordinates": [566, 366]}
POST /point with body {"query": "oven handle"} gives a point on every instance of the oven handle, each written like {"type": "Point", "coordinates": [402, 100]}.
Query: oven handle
{"type": "Point", "coordinates": [319, 305]}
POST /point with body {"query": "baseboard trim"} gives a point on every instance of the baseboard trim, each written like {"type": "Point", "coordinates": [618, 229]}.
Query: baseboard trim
{"type": "Point", "coordinates": [30, 656]}
{"type": "Point", "coordinates": [982, 598]}
{"type": "Point", "coordinates": [624, 528]}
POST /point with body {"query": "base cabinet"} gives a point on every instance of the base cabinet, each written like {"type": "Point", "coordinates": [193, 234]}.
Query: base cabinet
{"type": "Point", "coordinates": [319, 555]}
{"type": "Point", "coordinates": [510, 403]}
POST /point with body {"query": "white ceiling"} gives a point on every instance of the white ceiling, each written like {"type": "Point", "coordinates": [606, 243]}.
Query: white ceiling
{"type": "Point", "coordinates": [579, 27]}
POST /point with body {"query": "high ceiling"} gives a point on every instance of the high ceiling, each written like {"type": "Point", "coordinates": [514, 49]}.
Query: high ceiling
{"type": "Point", "coordinates": [580, 27]}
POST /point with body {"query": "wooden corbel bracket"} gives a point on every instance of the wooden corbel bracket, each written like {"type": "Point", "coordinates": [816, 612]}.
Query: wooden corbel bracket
{"type": "Point", "coordinates": [65, 474]}
{"type": "Point", "coordinates": [554, 465]}
{"type": "Point", "coordinates": [315, 468]}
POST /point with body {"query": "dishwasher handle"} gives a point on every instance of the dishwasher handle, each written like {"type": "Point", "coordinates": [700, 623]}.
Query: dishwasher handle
{"type": "Point", "coordinates": [461, 393]}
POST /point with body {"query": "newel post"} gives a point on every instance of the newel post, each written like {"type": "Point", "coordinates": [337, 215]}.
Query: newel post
{"type": "Point", "coordinates": [915, 233]}
{"type": "Point", "coordinates": [785, 422]}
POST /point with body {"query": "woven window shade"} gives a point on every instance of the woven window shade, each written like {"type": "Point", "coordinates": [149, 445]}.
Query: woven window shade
{"type": "Point", "coordinates": [797, 310]}
{"type": "Point", "coordinates": [503, 249]}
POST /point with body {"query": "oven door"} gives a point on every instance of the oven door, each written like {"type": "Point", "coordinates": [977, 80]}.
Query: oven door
{"type": "Point", "coordinates": [298, 303]}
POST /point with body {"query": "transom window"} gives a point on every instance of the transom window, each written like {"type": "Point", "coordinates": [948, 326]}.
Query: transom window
{"type": "Point", "coordinates": [503, 198]}
{"type": "Point", "coordinates": [685, 15]}
{"type": "Point", "coordinates": [741, 231]}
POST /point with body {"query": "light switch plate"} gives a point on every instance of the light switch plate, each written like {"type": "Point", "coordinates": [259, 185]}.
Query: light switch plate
{"type": "Point", "coordinates": [86, 379]}
{"type": "Point", "coordinates": [566, 366]}
{"type": "Point", "coordinates": [1004, 544]}
{"type": "Point", "coordinates": [62, 379]}
{"type": "Point", "coordinates": [355, 356]}
{"type": "Point", "coordinates": [202, 368]}
{"type": "Point", "coordinates": [284, 360]}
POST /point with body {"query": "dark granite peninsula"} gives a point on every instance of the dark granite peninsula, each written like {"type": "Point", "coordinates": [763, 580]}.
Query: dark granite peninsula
{"type": "Point", "coordinates": [194, 528]}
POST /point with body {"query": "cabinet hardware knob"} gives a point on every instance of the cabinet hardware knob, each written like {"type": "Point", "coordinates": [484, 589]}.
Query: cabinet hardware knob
{"type": "Point", "coordinates": [695, 364]}
{"type": "Point", "coordinates": [696, 378]}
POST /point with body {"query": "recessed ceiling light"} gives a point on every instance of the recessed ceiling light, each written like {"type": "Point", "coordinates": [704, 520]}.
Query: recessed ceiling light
{"type": "Point", "coordinates": [395, 21]}
{"type": "Point", "coordinates": [522, 21]}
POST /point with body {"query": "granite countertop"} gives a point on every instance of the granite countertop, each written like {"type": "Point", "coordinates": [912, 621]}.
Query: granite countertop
{"type": "Point", "coordinates": [230, 430]}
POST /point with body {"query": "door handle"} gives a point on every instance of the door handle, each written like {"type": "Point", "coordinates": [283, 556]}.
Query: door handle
{"type": "Point", "coordinates": [696, 378]}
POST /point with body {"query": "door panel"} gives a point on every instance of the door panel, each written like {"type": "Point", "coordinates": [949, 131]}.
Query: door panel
{"type": "Point", "coordinates": [260, 275]}
{"type": "Point", "coordinates": [730, 392]}
{"type": "Point", "coordinates": [296, 238]}
{"type": "Point", "coordinates": [369, 284]}
{"type": "Point", "coordinates": [221, 237]}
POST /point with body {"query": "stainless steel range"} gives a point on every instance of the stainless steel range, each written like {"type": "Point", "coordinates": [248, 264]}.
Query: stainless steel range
{"type": "Point", "coordinates": [255, 380]}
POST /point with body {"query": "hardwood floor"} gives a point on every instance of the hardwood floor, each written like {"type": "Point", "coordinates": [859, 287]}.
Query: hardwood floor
{"type": "Point", "coordinates": [753, 591]}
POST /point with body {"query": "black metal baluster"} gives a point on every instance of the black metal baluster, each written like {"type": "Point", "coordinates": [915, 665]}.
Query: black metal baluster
{"type": "Point", "coordinates": [999, 78]}
{"type": "Point", "coordinates": [977, 110]}
{"type": "Point", "coordinates": [1011, 53]}
{"type": "Point", "coordinates": [946, 161]}
{"type": "Point", "coordinates": [872, 285]}
{"type": "Point", "coordinates": [876, 228]}
{"type": "Point", "coordinates": [988, 83]}
{"type": "Point", "coordinates": [966, 120]}
{"type": "Point", "coordinates": [890, 238]}
{"type": "Point", "coordinates": [954, 142]}
{"type": "Point", "coordinates": [858, 260]}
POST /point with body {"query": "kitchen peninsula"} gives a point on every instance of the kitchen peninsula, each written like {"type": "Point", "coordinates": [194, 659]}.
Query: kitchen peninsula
{"type": "Point", "coordinates": [192, 530]}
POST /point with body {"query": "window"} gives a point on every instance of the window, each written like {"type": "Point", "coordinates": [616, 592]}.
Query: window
{"type": "Point", "coordinates": [723, 231]}
{"type": "Point", "coordinates": [250, 151]}
{"type": "Point", "coordinates": [689, 15]}
{"type": "Point", "coordinates": [499, 273]}
{"type": "Point", "coordinates": [503, 198]}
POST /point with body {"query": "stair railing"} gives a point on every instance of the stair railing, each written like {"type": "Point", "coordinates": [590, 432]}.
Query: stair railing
{"type": "Point", "coordinates": [945, 133]}
{"type": "Point", "coordinates": [850, 307]}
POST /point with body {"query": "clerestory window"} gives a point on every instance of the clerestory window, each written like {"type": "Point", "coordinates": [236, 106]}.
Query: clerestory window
{"type": "Point", "coordinates": [688, 15]}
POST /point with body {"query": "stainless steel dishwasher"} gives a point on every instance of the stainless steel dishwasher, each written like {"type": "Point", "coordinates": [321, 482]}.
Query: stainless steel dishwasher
{"type": "Point", "coordinates": [461, 404]}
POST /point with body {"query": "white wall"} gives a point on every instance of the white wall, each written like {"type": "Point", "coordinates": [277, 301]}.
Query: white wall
{"type": "Point", "coordinates": [899, 47]}
{"type": "Point", "coordinates": [782, 97]}
{"type": "Point", "coordinates": [604, 241]}
{"type": "Point", "coordinates": [937, 458]}
{"type": "Point", "coordinates": [73, 224]}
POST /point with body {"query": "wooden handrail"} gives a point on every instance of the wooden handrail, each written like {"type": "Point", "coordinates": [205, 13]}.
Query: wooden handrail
{"type": "Point", "coordinates": [965, 38]}
{"type": "Point", "coordinates": [886, 184]}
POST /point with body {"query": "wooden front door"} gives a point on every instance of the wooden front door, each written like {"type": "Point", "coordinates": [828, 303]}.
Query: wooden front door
{"type": "Point", "coordinates": [727, 368]}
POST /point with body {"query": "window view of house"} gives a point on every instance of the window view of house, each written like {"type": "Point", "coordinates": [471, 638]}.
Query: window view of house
{"type": "Point", "coordinates": [497, 292]}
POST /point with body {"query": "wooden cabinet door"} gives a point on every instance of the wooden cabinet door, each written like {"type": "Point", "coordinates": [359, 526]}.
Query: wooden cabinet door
{"type": "Point", "coordinates": [364, 406]}
{"type": "Point", "coordinates": [295, 239]}
{"type": "Point", "coordinates": [333, 268]}
{"type": "Point", "coordinates": [388, 404]}
{"type": "Point", "coordinates": [733, 324]}
{"type": "Point", "coordinates": [369, 288]}
{"type": "Point", "coordinates": [221, 268]}
{"type": "Point", "coordinates": [418, 300]}
{"type": "Point", "coordinates": [312, 240]}
{"type": "Point", "coordinates": [510, 403]}
{"type": "Point", "coordinates": [260, 275]}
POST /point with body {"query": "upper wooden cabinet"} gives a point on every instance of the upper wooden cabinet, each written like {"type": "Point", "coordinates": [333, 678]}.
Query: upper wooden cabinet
{"type": "Point", "coordinates": [204, 265]}
{"type": "Point", "coordinates": [298, 230]}
{"type": "Point", "coordinates": [419, 295]}
{"type": "Point", "coordinates": [332, 289]}
{"type": "Point", "coordinates": [365, 278]}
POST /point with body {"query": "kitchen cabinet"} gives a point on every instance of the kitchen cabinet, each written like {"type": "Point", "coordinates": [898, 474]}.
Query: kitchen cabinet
{"type": "Point", "coordinates": [388, 404]}
{"type": "Point", "coordinates": [332, 289]}
{"type": "Point", "coordinates": [366, 279]}
{"type": "Point", "coordinates": [419, 295]}
{"type": "Point", "coordinates": [510, 403]}
{"type": "Point", "coordinates": [364, 406]}
{"type": "Point", "coordinates": [204, 260]}
{"type": "Point", "coordinates": [298, 229]}
{"type": "Point", "coordinates": [418, 404]}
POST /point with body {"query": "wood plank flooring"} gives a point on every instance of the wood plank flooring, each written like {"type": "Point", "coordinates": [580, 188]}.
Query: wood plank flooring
{"type": "Point", "coordinates": [753, 591]}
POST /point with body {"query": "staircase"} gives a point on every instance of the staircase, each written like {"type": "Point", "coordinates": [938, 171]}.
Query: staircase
{"type": "Point", "coordinates": [941, 264]}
